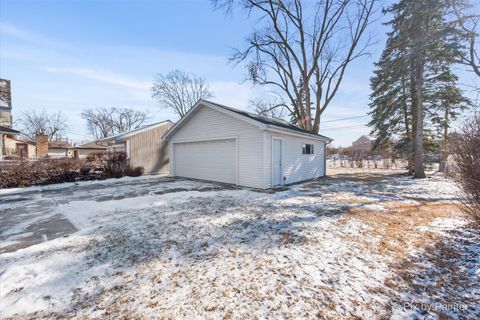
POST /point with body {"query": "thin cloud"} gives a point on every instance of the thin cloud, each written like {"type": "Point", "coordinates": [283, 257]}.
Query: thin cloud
{"type": "Point", "coordinates": [8, 30]}
{"type": "Point", "coordinates": [104, 76]}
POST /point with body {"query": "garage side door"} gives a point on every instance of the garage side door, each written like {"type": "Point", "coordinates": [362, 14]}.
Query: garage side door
{"type": "Point", "coordinates": [207, 160]}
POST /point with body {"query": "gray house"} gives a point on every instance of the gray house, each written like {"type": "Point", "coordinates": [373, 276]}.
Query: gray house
{"type": "Point", "coordinates": [218, 143]}
{"type": "Point", "coordinates": [144, 146]}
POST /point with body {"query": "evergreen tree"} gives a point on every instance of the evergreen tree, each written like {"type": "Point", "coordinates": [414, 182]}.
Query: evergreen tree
{"type": "Point", "coordinates": [413, 79]}
{"type": "Point", "coordinates": [447, 103]}
{"type": "Point", "coordinates": [391, 101]}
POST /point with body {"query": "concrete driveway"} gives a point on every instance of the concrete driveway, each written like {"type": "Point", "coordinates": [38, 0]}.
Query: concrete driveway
{"type": "Point", "coordinates": [30, 216]}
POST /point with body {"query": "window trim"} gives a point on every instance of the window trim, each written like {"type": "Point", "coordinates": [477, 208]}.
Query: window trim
{"type": "Point", "coordinates": [311, 148]}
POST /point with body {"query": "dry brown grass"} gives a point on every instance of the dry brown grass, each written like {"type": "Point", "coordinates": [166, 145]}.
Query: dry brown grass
{"type": "Point", "coordinates": [397, 229]}
{"type": "Point", "coordinates": [417, 253]}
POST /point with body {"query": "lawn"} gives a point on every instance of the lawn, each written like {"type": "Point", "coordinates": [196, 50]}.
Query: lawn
{"type": "Point", "coordinates": [370, 245]}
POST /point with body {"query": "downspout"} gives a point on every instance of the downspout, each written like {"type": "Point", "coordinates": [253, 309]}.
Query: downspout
{"type": "Point", "coordinates": [325, 159]}
{"type": "Point", "coordinates": [2, 146]}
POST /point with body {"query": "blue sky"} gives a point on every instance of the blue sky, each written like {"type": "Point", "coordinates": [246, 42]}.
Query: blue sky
{"type": "Point", "coordinates": [71, 55]}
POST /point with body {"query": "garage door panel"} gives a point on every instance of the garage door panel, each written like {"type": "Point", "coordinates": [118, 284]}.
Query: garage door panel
{"type": "Point", "coordinates": [207, 160]}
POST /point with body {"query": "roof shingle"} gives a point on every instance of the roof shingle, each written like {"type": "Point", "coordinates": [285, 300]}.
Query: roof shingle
{"type": "Point", "coordinates": [8, 130]}
{"type": "Point", "coordinates": [269, 121]}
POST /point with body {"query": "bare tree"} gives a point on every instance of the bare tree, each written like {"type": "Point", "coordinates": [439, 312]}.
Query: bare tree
{"type": "Point", "coordinates": [468, 24]}
{"type": "Point", "coordinates": [128, 119]}
{"type": "Point", "coordinates": [103, 122]}
{"type": "Point", "coordinates": [304, 49]}
{"type": "Point", "coordinates": [179, 90]}
{"type": "Point", "coordinates": [53, 124]}
{"type": "Point", "coordinates": [466, 149]}
{"type": "Point", "coordinates": [269, 107]}
{"type": "Point", "coordinates": [99, 121]}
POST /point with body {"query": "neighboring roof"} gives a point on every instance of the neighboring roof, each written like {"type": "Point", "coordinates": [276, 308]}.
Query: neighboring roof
{"type": "Point", "coordinates": [270, 122]}
{"type": "Point", "coordinates": [24, 141]}
{"type": "Point", "coordinates": [8, 130]}
{"type": "Point", "coordinates": [364, 137]}
{"type": "Point", "coordinates": [91, 145]}
{"type": "Point", "coordinates": [127, 134]}
{"type": "Point", "coordinates": [59, 145]}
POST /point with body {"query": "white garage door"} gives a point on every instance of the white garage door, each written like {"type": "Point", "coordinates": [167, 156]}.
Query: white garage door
{"type": "Point", "coordinates": [207, 160]}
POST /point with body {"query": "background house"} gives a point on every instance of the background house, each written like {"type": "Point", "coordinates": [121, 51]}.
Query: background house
{"type": "Point", "coordinates": [144, 146]}
{"type": "Point", "coordinates": [5, 134]}
{"type": "Point", "coordinates": [363, 144]}
{"type": "Point", "coordinates": [10, 146]}
{"type": "Point", "coordinates": [60, 149]}
{"type": "Point", "coordinates": [5, 103]}
{"type": "Point", "coordinates": [83, 150]}
{"type": "Point", "coordinates": [219, 143]}
{"type": "Point", "coordinates": [19, 149]}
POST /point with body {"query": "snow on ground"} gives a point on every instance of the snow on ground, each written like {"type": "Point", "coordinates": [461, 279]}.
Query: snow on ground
{"type": "Point", "coordinates": [353, 245]}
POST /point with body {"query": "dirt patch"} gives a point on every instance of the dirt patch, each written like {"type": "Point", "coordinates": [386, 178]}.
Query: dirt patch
{"type": "Point", "coordinates": [397, 231]}
{"type": "Point", "coordinates": [432, 268]}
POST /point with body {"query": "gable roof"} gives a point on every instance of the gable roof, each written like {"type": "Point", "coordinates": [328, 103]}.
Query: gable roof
{"type": "Point", "coordinates": [24, 141]}
{"type": "Point", "coordinates": [262, 121]}
{"type": "Point", "coordinates": [364, 138]}
{"type": "Point", "coordinates": [90, 145]}
{"type": "Point", "coordinates": [127, 134]}
{"type": "Point", "coordinates": [59, 145]}
{"type": "Point", "coordinates": [8, 130]}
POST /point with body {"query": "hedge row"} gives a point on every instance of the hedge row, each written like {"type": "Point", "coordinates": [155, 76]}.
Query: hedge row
{"type": "Point", "coordinates": [49, 171]}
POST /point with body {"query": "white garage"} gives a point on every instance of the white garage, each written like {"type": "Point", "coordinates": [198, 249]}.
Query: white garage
{"type": "Point", "coordinates": [207, 164]}
{"type": "Point", "coordinates": [218, 143]}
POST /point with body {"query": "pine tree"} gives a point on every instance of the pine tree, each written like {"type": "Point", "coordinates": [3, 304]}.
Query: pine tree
{"type": "Point", "coordinates": [412, 75]}
{"type": "Point", "coordinates": [447, 102]}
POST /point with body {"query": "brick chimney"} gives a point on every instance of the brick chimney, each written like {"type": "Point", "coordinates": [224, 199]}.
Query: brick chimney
{"type": "Point", "coordinates": [42, 145]}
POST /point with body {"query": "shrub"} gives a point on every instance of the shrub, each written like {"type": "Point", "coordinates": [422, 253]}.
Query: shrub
{"type": "Point", "coordinates": [84, 171]}
{"type": "Point", "coordinates": [359, 161]}
{"type": "Point", "coordinates": [48, 171]}
{"type": "Point", "coordinates": [27, 173]}
{"type": "Point", "coordinates": [116, 165]}
{"type": "Point", "coordinates": [467, 161]}
{"type": "Point", "coordinates": [135, 172]}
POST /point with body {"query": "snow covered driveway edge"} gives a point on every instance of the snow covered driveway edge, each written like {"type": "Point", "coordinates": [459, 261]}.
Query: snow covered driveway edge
{"type": "Point", "coordinates": [235, 253]}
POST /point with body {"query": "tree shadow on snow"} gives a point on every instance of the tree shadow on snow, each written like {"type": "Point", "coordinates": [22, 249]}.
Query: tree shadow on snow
{"type": "Point", "coordinates": [191, 232]}
{"type": "Point", "coordinates": [441, 281]}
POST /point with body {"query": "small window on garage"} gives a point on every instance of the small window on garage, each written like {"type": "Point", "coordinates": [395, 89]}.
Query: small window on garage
{"type": "Point", "coordinates": [307, 148]}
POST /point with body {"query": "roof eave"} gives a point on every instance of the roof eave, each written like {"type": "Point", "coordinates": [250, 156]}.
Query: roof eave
{"type": "Point", "coordinates": [121, 136]}
{"type": "Point", "coordinates": [208, 104]}
{"type": "Point", "coordinates": [298, 133]}
{"type": "Point", "coordinates": [260, 125]}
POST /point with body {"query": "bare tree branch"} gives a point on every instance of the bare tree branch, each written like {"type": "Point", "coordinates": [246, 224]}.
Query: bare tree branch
{"type": "Point", "coordinates": [303, 49]}
{"type": "Point", "coordinates": [468, 27]}
{"type": "Point", "coordinates": [103, 122]}
{"type": "Point", "coordinates": [179, 91]}
{"type": "Point", "coordinates": [34, 122]}
{"type": "Point", "coordinates": [270, 107]}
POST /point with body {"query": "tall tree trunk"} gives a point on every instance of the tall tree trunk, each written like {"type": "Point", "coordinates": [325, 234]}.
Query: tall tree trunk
{"type": "Point", "coordinates": [419, 78]}
{"type": "Point", "coordinates": [407, 125]}
{"type": "Point", "coordinates": [414, 107]}
{"type": "Point", "coordinates": [444, 148]}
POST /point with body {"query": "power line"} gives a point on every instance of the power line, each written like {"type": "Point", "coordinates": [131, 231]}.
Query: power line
{"type": "Point", "coordinates": [357, 117]}
{"type": "Point", "coordinates": [79, 134]}
{"type": "Point", "coordinates": [346, 127]}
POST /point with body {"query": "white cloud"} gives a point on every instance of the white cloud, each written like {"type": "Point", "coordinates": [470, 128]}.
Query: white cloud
{"type": "Point", "coordinates": [8, 30]}
{"type": "Point", "coordinates": [105, 76]}
{"type": "Point", "coordinates": [118, 80]}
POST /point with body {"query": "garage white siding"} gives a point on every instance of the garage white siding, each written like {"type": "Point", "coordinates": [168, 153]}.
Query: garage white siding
{"type": "Point", "coordinates": [295, 165]}
{"type": "Point", "coordinates": [57, 153]}
{"type": "Point", "coordinates": [210, 124]}
{"type": "Point", "coordinates": [208, 160]}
